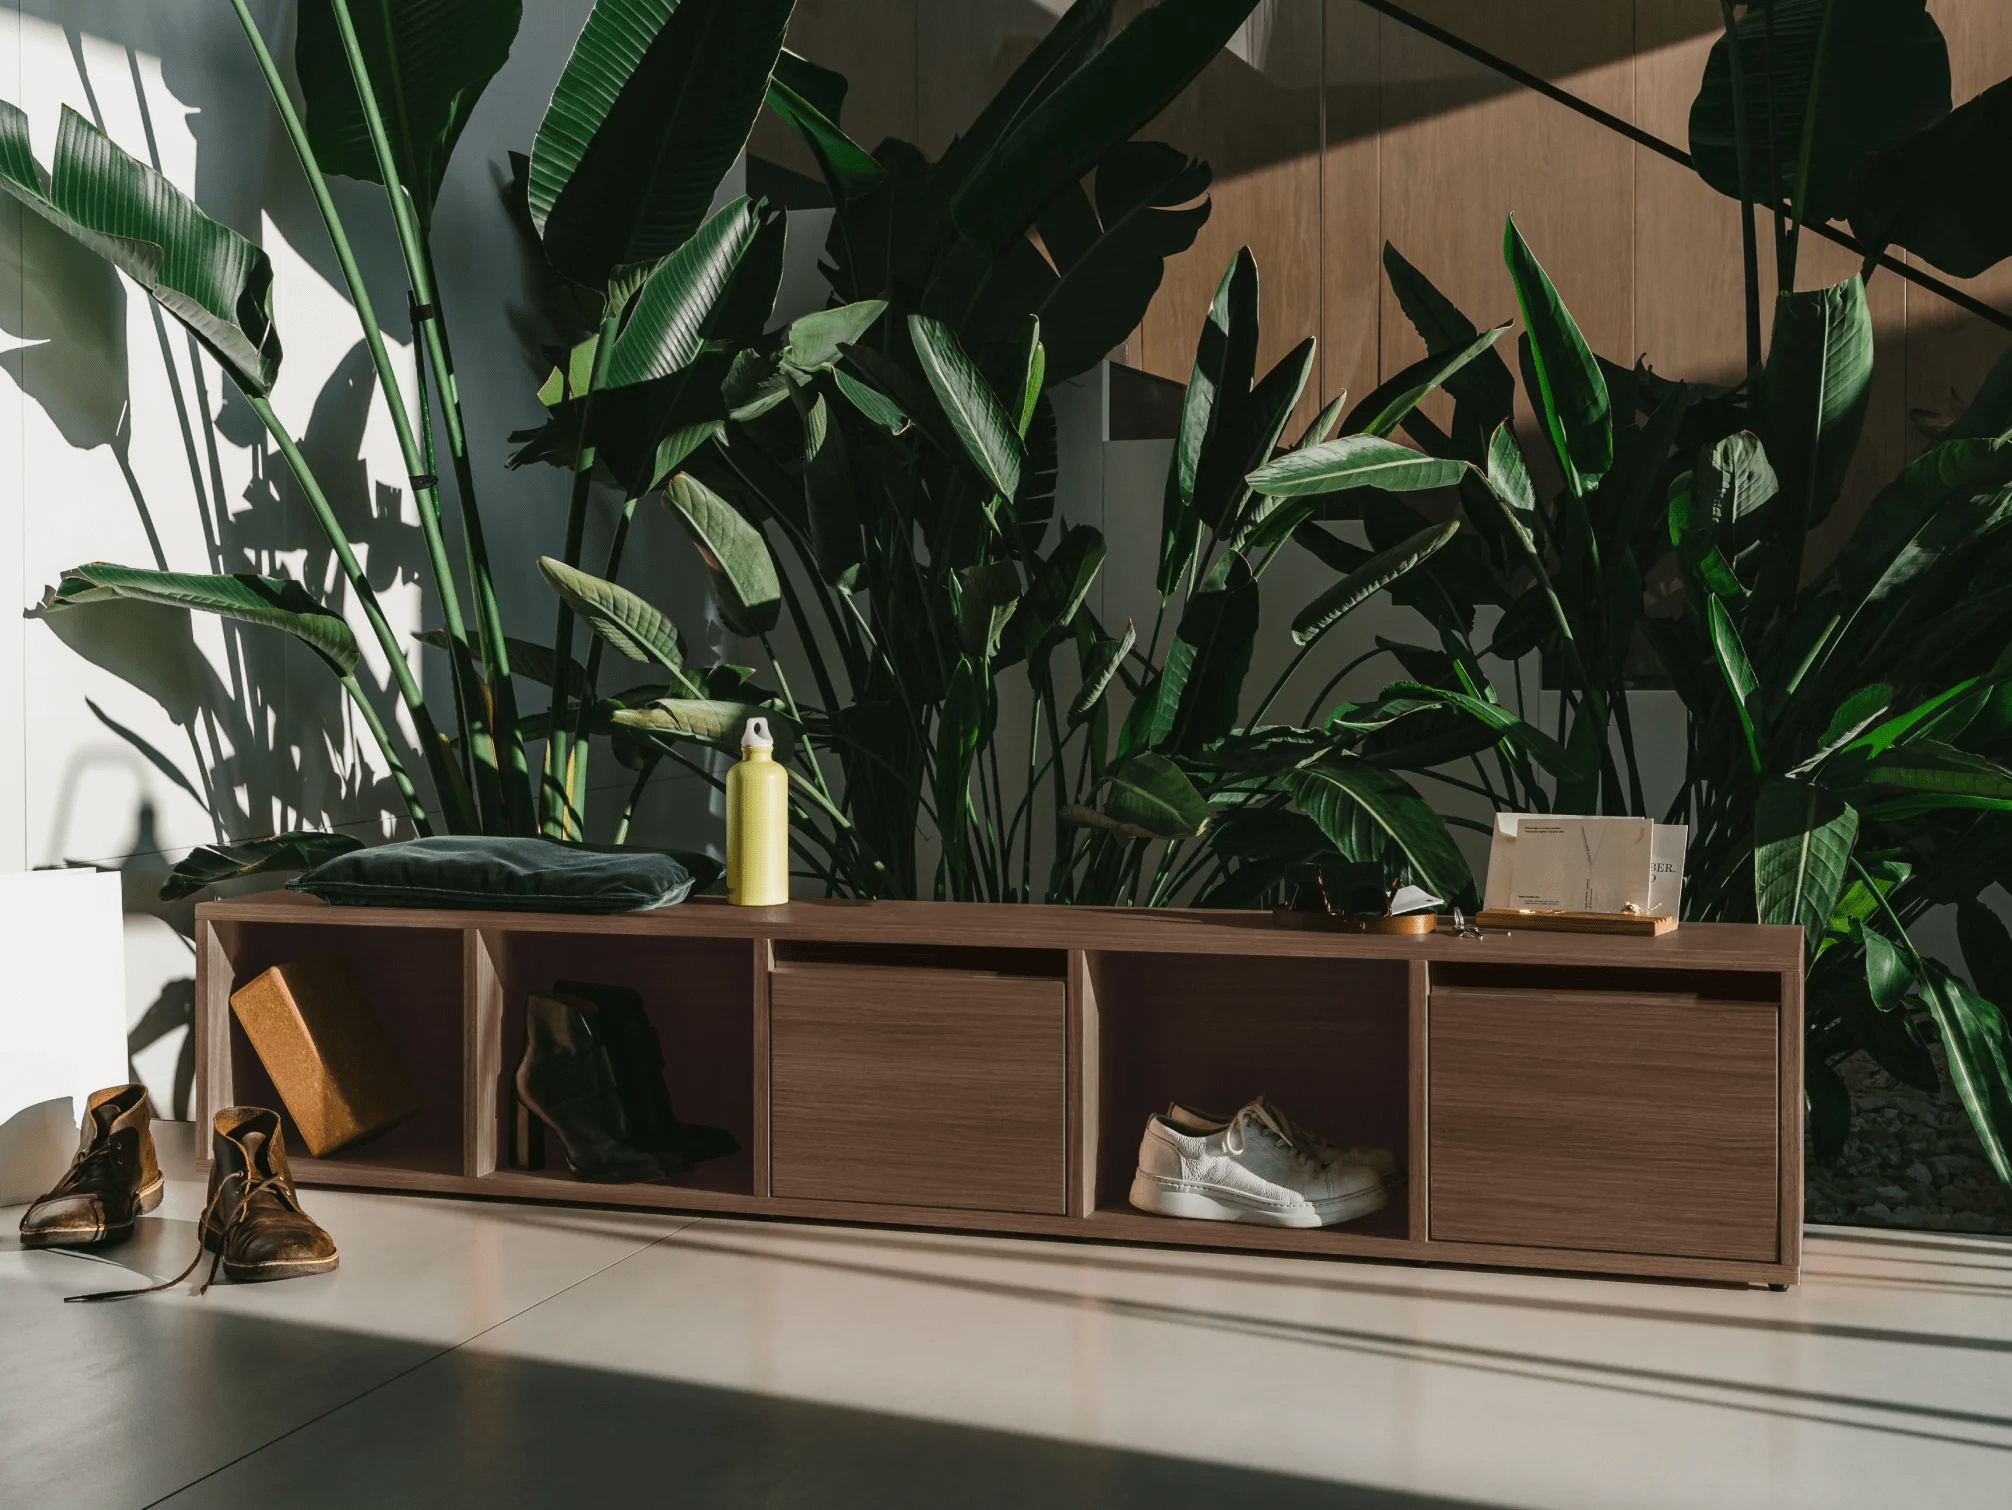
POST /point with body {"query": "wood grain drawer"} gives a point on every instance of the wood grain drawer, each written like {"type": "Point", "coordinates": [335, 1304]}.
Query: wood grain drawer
{"type": "Point", "coordinates": [918, 1087]}
{"type": "Point", "coordinates": [1605, 1121]}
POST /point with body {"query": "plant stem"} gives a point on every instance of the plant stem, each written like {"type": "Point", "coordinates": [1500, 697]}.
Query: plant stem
{"type": "Point", "coordinates": [1799, 203]}
{"type": "Point", "coordinates": [643, 775]}
{"type": "Point", "coordinates": [414, 808]}
{"type": "Point", "coordinates": [451, 792]}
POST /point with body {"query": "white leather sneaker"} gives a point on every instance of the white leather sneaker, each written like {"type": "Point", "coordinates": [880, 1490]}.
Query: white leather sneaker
{"type": "Point", "coordinates": [1389, 1168]}
{"type": "Point", "coordinates": [1248, 1169]}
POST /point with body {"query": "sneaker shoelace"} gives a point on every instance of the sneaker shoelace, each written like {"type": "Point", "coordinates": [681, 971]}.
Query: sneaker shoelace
{"type": "Point", "coordinates": [252, 1188]}
{"type": "Point", "coordinates": [1235, 1142]}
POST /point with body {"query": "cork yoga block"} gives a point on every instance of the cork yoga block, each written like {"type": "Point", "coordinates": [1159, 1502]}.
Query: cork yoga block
{"type": "Point", "coordinates": [312, 1028]}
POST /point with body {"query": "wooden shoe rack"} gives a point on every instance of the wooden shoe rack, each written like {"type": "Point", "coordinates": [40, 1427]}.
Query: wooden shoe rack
{"type": "Point", "coordinates": [1563, 1101]}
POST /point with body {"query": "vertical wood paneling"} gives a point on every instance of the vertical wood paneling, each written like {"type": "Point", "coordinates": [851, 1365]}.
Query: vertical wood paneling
{"type": "Point", "coordinates": [1465, 158]}
{"type": "Point", "coordinates": [1351, 236]}
{"type": "Point", "coordinates": [1254, 117]}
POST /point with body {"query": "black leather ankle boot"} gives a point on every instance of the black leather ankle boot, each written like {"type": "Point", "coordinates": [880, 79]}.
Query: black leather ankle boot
{"type": "Point", "coordinates": [566, 1081]}
{"type": "Point", "coordinates": [623, 1026]}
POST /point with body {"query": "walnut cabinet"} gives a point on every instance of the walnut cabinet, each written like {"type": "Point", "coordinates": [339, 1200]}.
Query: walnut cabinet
{"type": "Point", "coordinates": [1563, 1102]}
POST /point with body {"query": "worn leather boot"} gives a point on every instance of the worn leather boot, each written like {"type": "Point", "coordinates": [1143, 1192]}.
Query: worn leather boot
{"type": "Point", "coordinates": [253, 1220]}
{"type": "Point", "coordinates": [567, 1083]}
{"type": "Point", "coordinates": [637, 1055]}
{"type": "Point", "coordinates": [113, 1180]}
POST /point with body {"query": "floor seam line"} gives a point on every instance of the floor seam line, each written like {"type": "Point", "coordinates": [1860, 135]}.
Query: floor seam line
{"type": "Point", "coordinates": [431, 1358]}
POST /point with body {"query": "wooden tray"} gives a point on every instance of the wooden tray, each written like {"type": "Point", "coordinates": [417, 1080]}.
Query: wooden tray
{"type": "Point", "coordinates": [1409, 923]}
{"type": "Point", "coordinates": [1627, 924]}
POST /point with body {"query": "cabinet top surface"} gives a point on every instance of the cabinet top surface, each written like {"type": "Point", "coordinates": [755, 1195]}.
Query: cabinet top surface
{"type": "Point", "coordinates": [1694, 946]}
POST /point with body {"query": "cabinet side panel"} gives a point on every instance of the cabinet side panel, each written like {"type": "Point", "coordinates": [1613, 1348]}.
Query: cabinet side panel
{"type": "Point", "coordinates": [763, 962]}
{"type": "Point", "coordinates": [214, 972]}
{"type": "Point", "coordinates": [482, 1047]}
{"type": "Point", "coordinates": [1418, 1155]}
{"type": "Point", "coordinates": [1791, 1118]}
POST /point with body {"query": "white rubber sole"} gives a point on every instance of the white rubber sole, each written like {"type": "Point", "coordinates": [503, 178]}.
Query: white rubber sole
{"type": "Point", "coordinates": [1212, 1203]}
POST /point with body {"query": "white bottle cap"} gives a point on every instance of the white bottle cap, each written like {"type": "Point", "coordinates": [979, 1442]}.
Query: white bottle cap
{"type": "Point", "coordinates": [756, 736]}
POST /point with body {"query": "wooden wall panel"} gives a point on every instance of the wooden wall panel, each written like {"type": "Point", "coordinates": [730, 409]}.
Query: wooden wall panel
{"type": "Point", "coordinates": [1351, 249]}
{"type": "Point", "coordinates": [1254, 116]}
{"type": "Point", "coordinates": [871, 42]}
{"type": "Point", "coordinates": [963, 54]}
{"type": "Point", "coordinates": [1455, 171]}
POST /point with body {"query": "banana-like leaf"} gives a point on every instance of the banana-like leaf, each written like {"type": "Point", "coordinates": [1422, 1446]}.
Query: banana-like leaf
{"type": "Point", "coordinates": [1507, 474]}
{"type": "Point", "coordinates": [1145, 212]}
{"type": "Point", "coordinates": [816, 340]}
{"type": "Point", "coordinates": [1571, 396]}
{"type": "Point", "coordinates": [1979, 1055]}
{"type": "Point", "coordinates": [429, 61]}
{"type": "Point", "coordinates": [1354, 461]}
{"type": "Point", "coordinates": [1484, 393]}
{"type": "Point", "coordinates": [1932, 768]}
{"type": "Point", "coordinates": [1818, 382]}
{"type": "Point", "coordinates": [1104, 102]}
{"type": "Point", "coordinates": [1340, 790]}
{"type": "Point", "coordinates": [1921, 193]}
{"type": "Point", "coordinates": [206, 865]}
{"type": "Point", "coordinates": [981, 423]}
{"type": "Point", "coordinates": [1366, 580]}
{"type": "Point", "coordinates": [675, 311]}
{"type": "Point", "coordinates": [1554, 757]}
{"type": "Point", "coordinates": [990, 592]}
{"type": "Point", "coordinates": [1060, 584]}
{"type": "Point", "coordinates": [958, 731]}
{"type": "Point", "coordinates": [1739, 676]}
{"type": "Point", "coordinates": [1218, 389]}
{"type": "Point", "coordinates": [204, 274]}
{"type": "Point", "coordinates": [1885, 75]}
{"type": "Point", "coordinates": [1733, 479]}
{"type": "Point", "coordinates": [709, 721]}
{"type": "Point", "coordinates": [1385, 409]}
{"type": "Point", "coordinates": [1211, 655]}
{"type": "Point", "coordinates": [1149, 798]}
{"type": "Point", "coordinates": [869, 401]}
{"type": "Point", "coordinates": [809, 97]}
{"type": "Point", "coordinates": [275, 602]}
{"type": "Point", "coordinates": [1883, 551]}
{"type": "Point", "coordinates": [618, 616]}
{"type": "Point", "coordinates": [1802, 847]}
{"type": "Point", "coordinates": [529, 660]}
{"type": "Point", "coordinates": [652, 108]}
{"type": "Point", "coordinates": [1223, 493]}
{"type": "Point", "coordinates": [736, 556]}
{"type": "Point", "coordinates": [1106, 656]}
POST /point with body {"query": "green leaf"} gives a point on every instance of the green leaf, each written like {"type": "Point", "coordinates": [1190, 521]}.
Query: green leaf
{"type": "Point", "coordinates": [1802, 846]}
{"type": "Point", "coordinates": [1484, 393]}
{"type": "Point", "coordinates": [532, 661]}
{"type": "Point", "coordinates": [1733, 479]}
{"type": "Point", "coordinates": [1829, 1104]}
{"type": "Point", "coordinates": [1211, 654]}
{"type": "Point", "coordinates": [1974, 1038]}
{"type": "Point", "coordinates": [1143, 215]}
{"type": "Point", "coordinates": [709, 721]}
{"type": "Point", "coordinates": [817, 340]}
{"type": "Point", "coordinates": [1507, 474]}
{"type": "Point", "coordinates": [652, 109]}
{"type": "Point", "coordinates": [1149, 798]}
{"type": "Point", "coordinates": [1554, 757]}
{"type": "Point", "coordinates": [1887, 976]}
{"type": "Point", "coordinates": [1818, 382]}
{"type": "Point", "coordinates": [871, 402]}
{"type": "Point", "coordinates": [1739, 676]}
{"type": "Point", "coordinates": [1338, 787]}
{"type": "Point", "coordinates": [1987, 948]}
{"type": "Point", "coordinates": [981, 423]}
{"type": "Point", "coordinates": [429, 61]}
{"type": "Point", "coordinates": [1106, 656]}
{"type": "Point", "coordinates": [1104, 102]}
{"type": "Point", "coordinates": [1925, 765]}
{"type": "Point", "coordinates": [1061, 582]}
{"type": "Point", "coordinates": [274, 602]}
{"type": "Point", "coordinates": [1571, 396]}
{"type": "Point", "coordinates": [1885, 76]}
{"type": "Point", "coordinates": [1922, 193]}
{"type": "Point", "coordinates": [674, 313]}
{"type": "Point", "coordinates": [1366, 580]}
{"type": "Point", "coordinates": [204, 274]}
{"type": "Point", "coordinates": [736, 556]}
{"type": "Point", "coordinates": [990, 592]}
{"type": "Point", "coordinates": [1218, 386]}
{"type": "Point", "coordinates": [809, 97]}
{"type": "Point", "coordinates": [1905, 527]}
{"type": "Point", "coordinates": [207, 865]}
{"type": "Point", "coordinates": [618, 616]}
{"type": "Point", "coordinates": [1385, 409]}
{"type": "Point", "coordinates": [1354, 461]}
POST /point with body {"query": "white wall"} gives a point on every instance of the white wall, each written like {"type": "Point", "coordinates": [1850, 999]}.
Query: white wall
{"type": "Point", "coordinates": [123, 728]}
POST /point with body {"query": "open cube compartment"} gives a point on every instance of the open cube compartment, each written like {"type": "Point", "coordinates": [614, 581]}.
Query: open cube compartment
{"type": "Point", "coordinates": [700, 996]}
{"type": "Point", "coordinates": [1328, 1039]}
{"type": "Point", "coordinates": [412, 978]}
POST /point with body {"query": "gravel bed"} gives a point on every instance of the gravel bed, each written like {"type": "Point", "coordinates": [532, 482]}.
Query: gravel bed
{"type": "Point", "coordinates": [1912, 1160]}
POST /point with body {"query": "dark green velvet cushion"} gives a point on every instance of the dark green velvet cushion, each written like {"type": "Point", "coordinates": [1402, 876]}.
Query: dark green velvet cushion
{"type": "Point", "coordinates": [508, 875]}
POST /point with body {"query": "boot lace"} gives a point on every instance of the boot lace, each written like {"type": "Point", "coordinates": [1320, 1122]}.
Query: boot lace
{"type": "Point", "coordinates": [252, 1186]}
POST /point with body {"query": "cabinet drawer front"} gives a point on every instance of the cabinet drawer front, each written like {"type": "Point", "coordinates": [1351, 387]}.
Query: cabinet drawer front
{"type": "Point", "coordinates": [1613, 1123]}
{"type": "Point", "coordinates": [918, 1088]}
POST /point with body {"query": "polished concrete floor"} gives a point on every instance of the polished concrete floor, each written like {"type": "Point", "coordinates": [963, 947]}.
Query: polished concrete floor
{"type": "Point", "coordinates": [496, 1356]}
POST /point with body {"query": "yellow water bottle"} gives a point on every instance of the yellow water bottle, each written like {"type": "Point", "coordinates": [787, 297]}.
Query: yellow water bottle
{"type": "Point", "coordinates": [757, 823]}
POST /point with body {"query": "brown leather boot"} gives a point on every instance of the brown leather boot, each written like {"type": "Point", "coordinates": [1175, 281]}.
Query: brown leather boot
{"type": "Point", "coordinates": [253, 1220]}
{"type": "Point", "coordinates": [113, 1179]}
